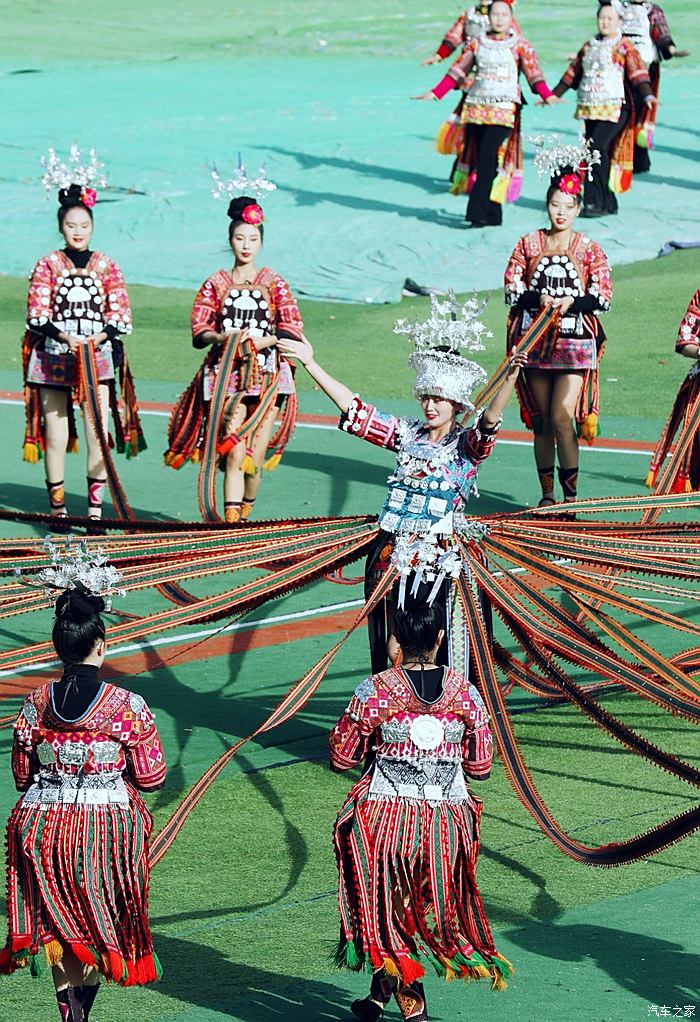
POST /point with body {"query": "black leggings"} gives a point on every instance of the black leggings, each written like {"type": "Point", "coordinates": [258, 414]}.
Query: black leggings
{"type": "Point", "coordinates": [602, 134]}
{"type": "Point", "coordinates": [488, 139]}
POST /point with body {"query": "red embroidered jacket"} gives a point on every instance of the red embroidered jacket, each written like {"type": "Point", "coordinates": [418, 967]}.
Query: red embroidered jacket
{"type": "Point", "coordinates": [390, 697]}
{"type": "Point", "coordinates": [116, 733]}
{"type": "Point", "coordinates": [625, 54]}
{"type": "Point", "coordinates": [43, 290]}
{"type": "Point", "coordinates": [284, 311]}
{"type": "Point", "coordinates": [689, 330]}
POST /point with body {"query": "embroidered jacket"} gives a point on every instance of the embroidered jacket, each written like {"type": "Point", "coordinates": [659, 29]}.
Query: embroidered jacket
{"type": "Point", "coordinates": [600, 78]}
{"type": "Point", "coordinates": [101, 275]}
{"type": "Point", "coordinates": [386, 716]}
{"type": "Point", "coordinates": [208, 310]}
{"type": "Point", "coordinates": [117, 734]}
{"type": "Point", "coordinates": [469, 25]}
{"type": "Point", "coordinates": [689, 330]}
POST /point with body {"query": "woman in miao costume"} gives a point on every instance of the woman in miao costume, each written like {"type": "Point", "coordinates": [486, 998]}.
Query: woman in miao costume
{"type": "Point", "coordinates": [407, 837]}
{"type": "Point", "coordinates": [490, 164]}
{"type": "Point", "coordinates": [77, 840]}
{"type": "Point", "coordinates": [687, 477]}
{"type": "Point", "coordinates": [561, 267]}
{"type": "Point", "coordinates": [646, 27]}
{"type": "Point", "coordinates": [609, 76]}
{"type": "Point", "coordinates": [252, 309]}
{"type": "Point", "coordinates": [437, 459]}
{"type": "Point", "coordinates": [77, 296]}
{"type": "Point", "coordinates": [469, 25]}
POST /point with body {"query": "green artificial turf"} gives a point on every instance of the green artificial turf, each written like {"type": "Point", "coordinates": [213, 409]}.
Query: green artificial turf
{"type": "Point", "coordinates": [639, 376]}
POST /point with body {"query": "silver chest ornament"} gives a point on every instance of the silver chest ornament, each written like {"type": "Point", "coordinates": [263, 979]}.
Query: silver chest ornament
{"type": "Point", "coordinates": [496, 73]}
{"type": "Point", "coordinates": [426, 732]}
{"type": "Point", "coordinates": [475, 23]}
{"type": "Point", "coordinates": [79, 305]}
{"type": "Point", "coordinates": [637, 28]}
{"type": "Point", "coordinates": [603, 78]}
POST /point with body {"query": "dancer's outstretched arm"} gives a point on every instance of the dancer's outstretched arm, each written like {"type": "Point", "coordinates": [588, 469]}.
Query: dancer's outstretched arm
{"type": "Point", "coordinates": [303, 353]}
{"type": "Point", "coordinates": [496, 406]}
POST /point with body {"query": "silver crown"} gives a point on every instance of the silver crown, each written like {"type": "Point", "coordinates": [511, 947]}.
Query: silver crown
{"type": "Point", "coordinates": [553, 155]}
{"type": "Point", "coordinates": [86, 172]}
{"type": "Point", "coordinates": [450, 326]}
{"type": "Point", "coordinates": [75, 566]}
{"type": "Point", "coordinates": [241, 184]}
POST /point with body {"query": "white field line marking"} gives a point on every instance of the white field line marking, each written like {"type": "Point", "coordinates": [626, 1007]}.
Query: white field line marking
{"type": "Point", "coordinates": [237, 626]}
{"type": "Point", "coordinates": [321, 425]}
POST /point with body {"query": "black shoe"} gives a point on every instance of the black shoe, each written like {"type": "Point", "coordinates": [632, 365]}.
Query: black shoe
{"type": "Point", "coordinates": [367, 1010]}
{"type": "Point", "coordinates": [95, 528]}
{"type": "Point", "coordinates": [591, 212]}
{"type": "Point", "coordinates": [477, 224]}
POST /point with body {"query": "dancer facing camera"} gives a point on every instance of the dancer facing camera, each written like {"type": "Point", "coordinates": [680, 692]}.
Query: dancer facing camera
{"type": "Point", "coordinates": [252, 309]}
{"type": "Point", "coordinates": [612, 82]}
{"type": "Point", "coordinates": [76, 296]}
{"type": "Point", "coordinates": [489, 165]}
{"type": "Point", "coordinates": [561, 267]}
{"type": "Point", "coordinates": [77, 840]}
{"type": "Point", "coordinates": [407, 837]}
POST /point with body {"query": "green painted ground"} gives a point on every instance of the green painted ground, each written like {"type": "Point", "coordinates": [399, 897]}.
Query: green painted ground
{"type": "Point", "coordinates": [243, 907]}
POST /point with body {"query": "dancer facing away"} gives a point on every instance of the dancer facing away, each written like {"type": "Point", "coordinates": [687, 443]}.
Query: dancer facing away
{"type": "Point", "coordinates": [490, 163]}
{"type": "Point", "coordinates": [437, 459]}
{"type": "Point", "coordinates": [645, 25]}
{"type": "Point", "coordinates": [688, 344]}
{"type": "Point", "coordinates": [76, 296]}
{"type": "Point", "coordinates": [253, 309]}
{"type": "Point", "coordinates": [81, 750]}
{"type": "Point", "coordinates": [407, 837]}
{"type": "Point", "coordinates": [608, 73]}
{"type": "Point", "coordinates": [561, 267]}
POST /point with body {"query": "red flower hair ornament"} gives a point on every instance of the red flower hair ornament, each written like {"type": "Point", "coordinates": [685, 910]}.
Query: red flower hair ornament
{"type": "Point", "coordinates": [88, 197]}
{"type": "Point", "coordinates": [253, 215]}
{"type": "Point", "coordinates": [570, 184]}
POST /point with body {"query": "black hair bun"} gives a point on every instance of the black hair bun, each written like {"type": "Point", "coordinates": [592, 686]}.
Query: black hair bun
{"type": "Point", "coordinates": [69, 197]}
{"type": "Point", "coordinates": [236, 206]}
{"type": "Point", "coordinates": [78, 606]}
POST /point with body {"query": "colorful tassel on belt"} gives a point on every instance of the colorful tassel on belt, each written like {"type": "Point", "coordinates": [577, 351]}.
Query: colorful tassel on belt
{"type": "Point", "coordinates": [589, 428]}
{"type": "Point", "coordinates": [31, 452]}
{"type": "Point", "coordinates": [248, 465]}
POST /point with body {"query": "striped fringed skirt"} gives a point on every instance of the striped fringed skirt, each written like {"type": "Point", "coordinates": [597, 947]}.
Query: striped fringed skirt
{"type": "Point", "coordinates": [78, 877]}
{"type": "Point", "coordinates": [407, 889]}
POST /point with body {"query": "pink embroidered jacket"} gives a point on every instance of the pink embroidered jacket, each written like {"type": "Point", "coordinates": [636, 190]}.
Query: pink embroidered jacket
{"type": "Point", "coordinates": [208, 304]}
{"type": "Point", "coordinates": [116, 734]}
{"type": "Point", "coordinates": [386, 716]}
{"type": "Point", "coordinates": [43, 289]}
{"type": "Point", "coordinates": [689, 330]}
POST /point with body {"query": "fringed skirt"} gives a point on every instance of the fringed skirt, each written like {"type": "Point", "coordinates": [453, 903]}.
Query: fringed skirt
{"type": "Point", "coordinates": [407, 888]}
{"type": "Point", "coordinates": [78, 877]}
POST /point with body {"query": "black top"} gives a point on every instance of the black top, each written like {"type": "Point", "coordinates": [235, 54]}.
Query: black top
{"type": "Point", "coordinates": [80, 261]}
{"type": "Point", "coordinates": [427, 683]}
{"type": "Point", "coordinates": [76, 690]}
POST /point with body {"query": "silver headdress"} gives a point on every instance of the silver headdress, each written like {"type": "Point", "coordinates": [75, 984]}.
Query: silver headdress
{"type": "Point", "coordinates": [554, 156]}
{"type": "Point", "coordinates": [450, 326]}
{"type": "Point", "coordinates": [75, 566]}
{"type": "Point", "coordinates": [86, 173]}
{"type": "Point", "coordinates": [241, 184]}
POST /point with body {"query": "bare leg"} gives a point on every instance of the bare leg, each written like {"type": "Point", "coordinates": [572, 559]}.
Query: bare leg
{"type": "Point", "coordinates": [262, 439]}
{"type": "Point", "coordinates": [54, 408]}
{"type": "Point", "coordinates": [71, 978]}
{"type": "Point", "coordinates": [541, 383]}
{"type": "Point", "coordinates": [233, 474]}
{"type": "Point", "coordinates": [567, 388]}
{"type": "Point", "coordinates": [96, 474]}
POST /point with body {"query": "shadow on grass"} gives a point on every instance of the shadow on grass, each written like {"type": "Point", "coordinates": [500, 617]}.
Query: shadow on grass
{"type": "Point", "coordinates": [203, 977]}
{"type": "Point", "coordinates": [654, 970]}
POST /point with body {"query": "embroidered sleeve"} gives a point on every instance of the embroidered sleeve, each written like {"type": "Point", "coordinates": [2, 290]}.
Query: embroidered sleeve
{"type": "Point", "coordinates": [689, 332]}
{"type": "Point", "coordinates": [599, 277]}
{"type": "Point", "coordinates": [40, 295]}
{"type": "Point", "coordinates": [477, 743]}
{"type": "Point", "coordinates": [144, 751]}
{"type": "Point", "coordinates": [660, 32]}
{"type": "Point", "coordinates": [636, 70]}
{"type": "Point", "coordinates": [24, 763]}
{"type": "Point", "coordinates": [572, 76]}
{"type": "Point", "coordinates": [369, 424]}
{"type": "Point", "coordinates": [453, 38]}
{"type": "Point", "coordinates": [349, 739]}
{"type": "Point", "coordinates": [288, 321]}
{"type": "Point", "coordinates": [529, 63]}
{"type": "Point", "coordinates": [206, 309]}
{"type": "Point", "coordinates": [516, 270]}
{"type": "Point", "coordinates": [118, 311]}
{"type": "Point", "coordinates": [477, 444]}
{"type": "Point", "coordinates": [459, 71]}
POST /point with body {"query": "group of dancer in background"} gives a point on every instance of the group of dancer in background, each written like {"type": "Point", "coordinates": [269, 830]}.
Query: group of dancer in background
{"type": "Point", "coordinates": [616, 77]}
{"type": "Point", "coordinates": [407, 837]}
